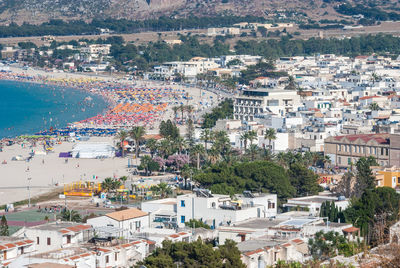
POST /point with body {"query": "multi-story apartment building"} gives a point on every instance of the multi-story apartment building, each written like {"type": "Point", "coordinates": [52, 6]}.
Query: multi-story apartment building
{"type": "Point", "coordinates": [259, 101]}
{"type": "Point", "coordinates": [346, 150]}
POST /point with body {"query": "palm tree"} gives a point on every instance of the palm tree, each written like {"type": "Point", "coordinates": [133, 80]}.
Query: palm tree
{"type": "Point", "coordinates": [121, 136]}
{"type": "Point", "coordinates": [175, 109]}
{"type": "Point", "coordinates": [164, 189]}
{"type": "Point", "coordinates": [270, 135]}
{"type": "Point", "coordinates": [71, 215]}
{"type": "Point", "coordinates": [244, 137]}
{"type": "Point", "coordinates": [326, 161]}
{"type": "Point", "coordinates": [374, 106]}
{"type": "Point", "coordinates": [190, 110]}
{"type": "Point", "coordinates": [182, 108]}
{"type": "Point", "coordinates": [137, 134]}
{"type": "Point", "coordinates": [206, 136]}
{"type": "Point", "coordinates": [165, 148]}
{"type": "Point", "coordinates": [213, 155]}
{"type": "Point", "coordinates": [253, 151]}
{"type": "Point", "coordinates": [222, 143]}
{"type": "Point", "coordinates": [107, 185]}
{"type": "Point", "coordinates": [152, 145]}
{"type": "Point", "coordinates": [198, 150]}
{"type": "Point", "coordinates": [252, 135]}
{"type": "Point", "coordinates": [180, 143]}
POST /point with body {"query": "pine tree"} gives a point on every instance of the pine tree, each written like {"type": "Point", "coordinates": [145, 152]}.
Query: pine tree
{"type": "Point", "coordinates": [323, 210]}
{"type": "Point", "coordinates": [332, 212]}
{"type": "Point", "coordinates": [4, 227]}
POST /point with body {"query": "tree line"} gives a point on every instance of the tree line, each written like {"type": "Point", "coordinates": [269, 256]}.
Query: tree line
{"type": "Point", "coordinates": [79, 27]}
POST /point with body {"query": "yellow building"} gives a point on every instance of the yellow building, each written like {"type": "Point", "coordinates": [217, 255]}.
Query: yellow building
{"type": "Point", "coordinates": [389, 177]}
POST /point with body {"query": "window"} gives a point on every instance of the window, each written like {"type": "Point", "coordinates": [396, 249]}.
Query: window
{"type": "Point", "coordinates": [37, 240]}
{"type": "Point", "coordinates": [340, 160]}
{"type": "Point", "coordinates": [182, 203]}
{"type": "Point", "coordinates": [137, 225]}
{"type": "Point", "coordinates": [182, 219]}
{"type": "Point", "coordinates": [48, 241]}
{"type": "Point", "coordinates": [68, 239]}
{"type": "Point", "coordinates": [398, 179]}
{"type": "Point", "coordinates": [116, 256]}
{"type": "Point", "coordinates": [349, 161]}
{"type": "Point", "coordinates": [107, 259]}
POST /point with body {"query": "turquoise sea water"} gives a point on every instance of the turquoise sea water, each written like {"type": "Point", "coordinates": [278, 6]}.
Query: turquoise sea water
{"type": "Point", "coordinates": [26, 108]}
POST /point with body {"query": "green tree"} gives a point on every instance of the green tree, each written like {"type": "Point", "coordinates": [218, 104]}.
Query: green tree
{"type": "Point", "coordinates": [148, 164]}
{"type": "Point", "coordinates": [304, 180]}
{"type": "Point", "coordinates": [270, 135]}
{"type": "Point", "coordinates": [374, 212]}
{"type": "Point", "coordinates": [190, 133]}
{"type": "Point", "coordinates": [71, 215]}
{"type": "Point", "coordinates": [121, 136]}
{"type": "Point", "coordinates": [364, 177]}
{"type": "Point", "coordinates": [163, 189]}
{"type": "Point", "coordinates": [193, 223]}
{"type": "Point", "coordinates": [253, 151]}
{"type": "Point", "coordinates": [374, 107]}
{"type": "Point", "coordinates": [152, 145]}
{"type": "Point", "coordinates": [206, 136]}
{"type": "Point", "coordinates": [4, 227]}
{"type": "Point", "coordinates": [197, 150]}
{"type": "Point", "coordinates": [327, 245]}
{"type": "Point", "coordinates": [137, 134]}
{"type": "Point", "coordinates": [168, 130]}
{"type": "Point", "coordinates": [259, 176]}
{"type": "Point", "coordinates": [194, 254]}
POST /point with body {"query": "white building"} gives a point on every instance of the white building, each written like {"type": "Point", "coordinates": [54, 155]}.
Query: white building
{"type": "Point", "coordinates": [13, 247]}
{"type": "Point", "coordinates": [216, 210]}
{"type": "Point", "coordinates": [258, 101]}
{"type": "Point", "coordinates": [56, 235]}
{"type": "Point", "coordinates": [133, 220]}
{"type": "Point", "coordinates": [313, 203]}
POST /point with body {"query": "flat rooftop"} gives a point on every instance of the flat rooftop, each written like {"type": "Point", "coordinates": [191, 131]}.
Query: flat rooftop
{"type": "Point", "coordinates": [257, 223]}
{"type": "Point", "coordinates": [58, 226]}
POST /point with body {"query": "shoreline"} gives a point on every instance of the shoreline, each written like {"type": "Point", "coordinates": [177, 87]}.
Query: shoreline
{"type": "Point", "coordinates": [106, 88]}
{"type": "Point", "coordinates": [107, 102]}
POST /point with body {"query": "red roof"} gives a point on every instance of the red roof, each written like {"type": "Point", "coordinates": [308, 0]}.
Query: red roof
{"type": "Point", "coordinates": [298, 241]}
{"type": "Point", "coordinates": [369, 97]}
{"type": "Point", "coordinates": [254, 252]}
{"type": "Point", "coordinates": [103, 250]}
{"type": "Point", "coordinates": [351, 230]}
{"type": "Point", "coordinates": [382, 138]}
{"type": "Point", "coordinates": [174, 236]}
{"type": "Point", "coordinates": [10, 245]}
{"type": "Point", "coordinates": [76, 229]}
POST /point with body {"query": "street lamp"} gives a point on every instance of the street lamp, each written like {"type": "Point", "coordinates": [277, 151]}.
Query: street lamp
{"type": "Point", "coordinates": [29, 192]}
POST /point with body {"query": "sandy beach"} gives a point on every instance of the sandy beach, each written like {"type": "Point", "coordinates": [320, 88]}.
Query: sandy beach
{"type": "Point", "coordinates": [45, 172]}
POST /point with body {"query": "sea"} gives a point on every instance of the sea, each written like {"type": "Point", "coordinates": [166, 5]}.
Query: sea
{"type": "Point", "coordinates": [27, 108]}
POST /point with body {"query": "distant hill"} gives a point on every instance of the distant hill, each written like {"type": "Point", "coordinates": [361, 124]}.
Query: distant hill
{"type": "Point", "coordinates": [38, 11]}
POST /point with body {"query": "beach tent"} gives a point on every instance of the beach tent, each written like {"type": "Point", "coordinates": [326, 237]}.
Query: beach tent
{"type": "Point", "coordinates": [93, 150]}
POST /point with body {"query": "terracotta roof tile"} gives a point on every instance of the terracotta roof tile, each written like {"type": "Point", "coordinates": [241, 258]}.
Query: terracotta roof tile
{"type": "Point", "coordinates": [10, 245]}
{"type": "Point", "coordinates": [104, 250]}
{"type": "Point", "coordinates": [127, 214]}
{"type": "Point", "coordinates": [298, 241]}
{"type": "Point", "coordinates": [254, 252]}
{"type": "Point", "coordinates": [351, 229]}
